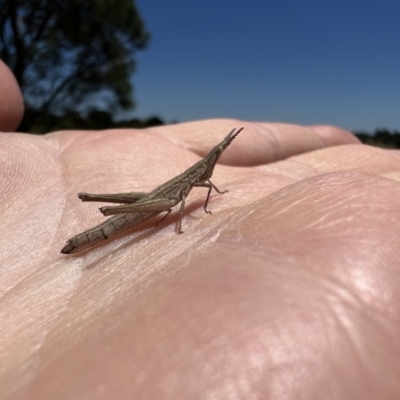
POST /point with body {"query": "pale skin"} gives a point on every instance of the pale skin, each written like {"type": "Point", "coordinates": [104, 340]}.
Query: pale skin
{"type": "Point", "coordinates": [289, 290]}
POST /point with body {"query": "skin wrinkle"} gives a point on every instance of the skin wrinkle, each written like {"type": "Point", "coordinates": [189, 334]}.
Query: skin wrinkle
{"type": "Point", "coordinates": [365, 160]}
{"type": "Point", "coordinates": [216, 343]}
{"type": "Point", "coordinates": [32, 167]}
{"type": "Point", "coordinates": [354, 345]}
{"type": "Point", "coordinates": [22, 165]}
{"type": "Point", "coordinates": [325, 133]}
{"type": "Point", "coordinates": [157, 259]}
{"type": "Point", "coordinates": [34, 357]}
{"type": "Point", "coordinates": [61, 312]}
{"type": "Point", "coordinates": [320, 134]}
{"type": "Point", "coordinates": [326, 305]}
{"type": "Point", "coordinates": [296, 162]}
{"type": "Point", "coordinates": [273, 144]}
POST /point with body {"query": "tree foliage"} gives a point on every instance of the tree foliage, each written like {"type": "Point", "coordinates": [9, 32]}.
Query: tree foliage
{"type": "Point", "coordinates": [381, 138]}
{"type": "Point", "coordinates": [70, 54]}
{"type": "Point", "coordinates": [93, 120]}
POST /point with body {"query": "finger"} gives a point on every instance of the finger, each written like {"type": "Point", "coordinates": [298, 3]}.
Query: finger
{"type": "Point", "coordinates": [11, 102]}
{"type": "Point", "coordinates": [259, 143]}
{"type": "Point", "coordinates": [363, 159]}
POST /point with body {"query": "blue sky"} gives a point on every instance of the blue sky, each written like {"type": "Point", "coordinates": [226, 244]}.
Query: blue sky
{"type": "Point", "coordinates": [300, 61]}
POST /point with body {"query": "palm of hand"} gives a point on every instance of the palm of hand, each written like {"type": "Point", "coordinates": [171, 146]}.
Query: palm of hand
{"type": "Point", "coordinates": [289, 285]}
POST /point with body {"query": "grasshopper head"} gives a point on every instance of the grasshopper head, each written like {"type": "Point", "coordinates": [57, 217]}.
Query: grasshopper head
{"type": "Point", "coordinates": [216, 152]}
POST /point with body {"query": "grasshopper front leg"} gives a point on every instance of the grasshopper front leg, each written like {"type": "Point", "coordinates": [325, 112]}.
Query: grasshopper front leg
{"type": "Point", "coordinates": [210, 186]}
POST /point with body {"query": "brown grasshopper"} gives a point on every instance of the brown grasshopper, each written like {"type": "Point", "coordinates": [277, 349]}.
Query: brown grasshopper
{"type": "Point", "coordinates": [139, 206]}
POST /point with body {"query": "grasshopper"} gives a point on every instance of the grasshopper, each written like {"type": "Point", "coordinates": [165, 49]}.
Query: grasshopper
{"type": "Point", "coordinates": [139, 206]}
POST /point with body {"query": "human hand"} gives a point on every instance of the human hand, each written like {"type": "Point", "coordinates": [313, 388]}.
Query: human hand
{"type": "Point", "coordinates": [288, 290]}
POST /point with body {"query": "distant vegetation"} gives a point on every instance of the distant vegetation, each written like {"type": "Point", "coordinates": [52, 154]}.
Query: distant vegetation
{"type": "Point", "coordinates": [381, 138]}
{"type": "Point", "coordinates": [95, 119]}
{"type": "Point", "coordinates": [65, 53]}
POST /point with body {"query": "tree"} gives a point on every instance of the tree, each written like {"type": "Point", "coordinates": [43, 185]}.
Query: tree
{"type": "Point", "coordinates": [70, 54]}
{"type": "Point", "coordinates": [382, 137]}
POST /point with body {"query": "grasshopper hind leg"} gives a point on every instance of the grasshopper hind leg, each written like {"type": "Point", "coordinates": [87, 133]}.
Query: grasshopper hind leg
{"type": "Point", "coordinates": [165, 216]}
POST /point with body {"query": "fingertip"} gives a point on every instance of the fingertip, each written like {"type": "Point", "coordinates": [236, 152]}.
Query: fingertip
{"type": "Point", "coordinates": [11, 100]}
